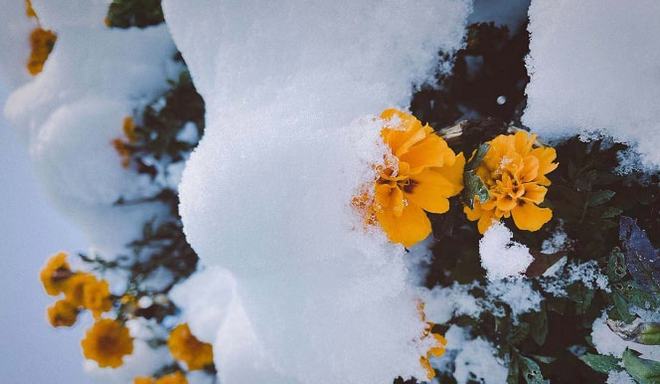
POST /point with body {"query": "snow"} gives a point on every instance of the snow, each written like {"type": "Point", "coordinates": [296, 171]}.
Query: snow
{"type": "Point", "coordinates": [594, 67]}
{"type": "Point", "coordinates": [69, 114]}
{"type": "Point", "coordinates": [619, 377]}
{"type": "Point", "coordinates": [470, 360]}
{"type": "Point", "coordinates": [291, 89]}
{"type": "Point", "coordinates": [563, 274]}
{"type": "Point", "coordinates": [609, 343]}
{"type": "Point", "coordinates": [500, 256]}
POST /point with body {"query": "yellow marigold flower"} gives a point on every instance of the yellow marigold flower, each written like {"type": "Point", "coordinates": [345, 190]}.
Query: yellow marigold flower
{"type": "Point", "coordinates": [173, 378]}
{"type": "Point", "coordinates": [185, 347]}
{"type": "Point", "coordinates": [42, 42]}
{"type": "Point", "coordinates": [74, 290]}
{"type": "Point", "coordinates": [107, 342]}
{"type": "Point", "coordinates": [55, 274]}
{"type": "Point", "coordinates": [144, 380]}
{"type": "Point", "coordinates": [96, 297]}
{"type": "Point", "coordinates": [515, 173]}
{"type": "Point", "coordinates": [62, 314]}
{"type": "Point", "coordinates": [419, 176]}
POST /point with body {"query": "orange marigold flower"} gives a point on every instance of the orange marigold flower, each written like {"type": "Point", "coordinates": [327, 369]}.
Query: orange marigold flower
{"type": "Point", "coordinates": [419, 175]}
{"type": "Point", "coordinates": [173, 378]}
{"type": "Point", "coordinates": [62, 314]}
{"type": "Point", "coordinates": [107, 342]}
{"type": "Point", "coordinates": [515, 173]}
{"type": "Point", "coordinates": [42, 42]}
{"type": "Point", "coordinates": [96, 297]}
{"type": "Point", "coordinates": [185, 347]}
{"type": "Point", "coordinates": [74, 290]}
{"type": "Point", "coordinates": [55, 274]}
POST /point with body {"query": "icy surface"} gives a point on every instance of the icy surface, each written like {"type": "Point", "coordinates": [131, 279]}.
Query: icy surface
{"type": "Point", "coordinates": [69, 114]}
{"type": "Point", "coordinates": [500, 256]}
{"type": "Point", "coordinates": [291, 89]}
{"type": "Point", "coordinates": [595, 66]}
{"type": "Point", "coordinates": [620, 377]}
{"type": "Point", "coordinates": [564, 274]}
{"type": "Point", "coordinates": [609, 343]}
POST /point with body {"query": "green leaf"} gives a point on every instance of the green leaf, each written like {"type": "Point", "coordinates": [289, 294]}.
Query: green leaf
{"type": "Point", "coordinates": [601, 363]}
{"type": "Point", "coordinates": [621, 306]}
{"type": "Point", "coordinates": [539, 326]}
{"type": "Point", "coordinates": [611, 212]}
{"type": "Point", "coordinates": [478, 157]}
{"type": "Point", "coordinates": [616, 266]}
{"type": "Point", "coordinates": [514, 370]}
{"type": "Point", "coordinates": [531, 372]}
{"type": "Point", "coordinates": [600, 197]}
{"type": "Point", "coordinates": [639, 331]}
{"type": "Point", "coordinates": [474, 186]}
{"type": "Point", "coordinates": [642, 370]}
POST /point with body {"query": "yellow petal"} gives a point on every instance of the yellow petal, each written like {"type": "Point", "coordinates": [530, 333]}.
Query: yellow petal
{"type": "Point", "coordinates": [401, 131]}
{"type": "Point", "coordinates": [409, 228]}
{"type": "Point", "coordinates": [523, 142]}
{"type": "Point", "coordinates": [534, 192]}
{"type": "Point", "coordinates": [530, 169]}
{"type": "Point", "coordinates": [529, 217]}
{"type": "Point", "coordinates": [546, 156]}
{"type": "Point", "coordinates": [454, 173]}
{"type": "Point", "coordinates": [429, 152]}
{"type": "Point", "coordinates": [485, 221]}
{"type": "Point", "coordinates": [430, 190]}
{"type": "Point", "coordinates": [505, 203]}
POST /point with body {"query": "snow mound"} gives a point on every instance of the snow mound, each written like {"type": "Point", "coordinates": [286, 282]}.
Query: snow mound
{"type": "Point", "coordinates": [594, 67]}
{"type": "Point", "coordinates": [69, 114]}
{"type": "Point", "coordinates": [291, 90]}
{"type": "Point", "coordinates": [500, 256]}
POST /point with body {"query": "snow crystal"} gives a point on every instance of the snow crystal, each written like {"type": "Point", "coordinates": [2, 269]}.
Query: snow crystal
{"type": "Point", "coordinates": [500, 256]}
{"type": "Point", "coordinates": [291, 89]}
{"type": "Point", "coordinates": [557, 242]}
{"type": "Point", "coordinates": [594, 67]}
{"type": "Point", "coordinates": [566, 274]}
{"type": "Point", "coordinates": [441, 304]}
{"type": "Point", "coordinates": [609, 343]}
{"type": "Point", "coordinates": [477, 361]}
{"type": "Point", "coordinates": [69, 114]}
{"type": "Point", "coordinates": [619, 377]}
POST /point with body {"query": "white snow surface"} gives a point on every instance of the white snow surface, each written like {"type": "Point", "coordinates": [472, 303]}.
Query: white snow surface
{"type": "Point", "coordinates": [619, 377]}
{"type": "Point", "coordinates": [69, 114]}
{"type": "Point", "coordinates": [291, 89]}
{"type": "Point", "coordinates": [500, 256]}
{"type": "Point", "coordinates": [609, 343]}
{"type": "Point", "coordinates": [595, 67]}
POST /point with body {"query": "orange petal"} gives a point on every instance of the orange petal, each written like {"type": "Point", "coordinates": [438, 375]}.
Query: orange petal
{"type": "Point", "coordinates": [429, 152]}
{"type": "Point", "coordinates": [485, 221]}
{"type": "Point", "coordinates": [529, 217]}
{"type": "Point", "coordinates": [430, 190]}
{"type": "Point", "coordinates": [523, 142]}
{"type": "Point", "coordinates": [409, 228]}
{"type": "Point", "coordinates": [546, 156]}
{"type": "Point", "coordinates": [505, 203]}
{"type": "Point", "coordinates": [530, 169]}
{"type": "Point", "coordinates": [454, 173]}
{"type": "Point", "coordinates": [534, 192]}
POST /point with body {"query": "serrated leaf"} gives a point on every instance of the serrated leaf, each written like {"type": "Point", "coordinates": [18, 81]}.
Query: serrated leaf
{"type": "Point", "coordinates": [601, 363]}
{"type": "Point", "coordinates": [642, 259]}
{"type": "Point", "coordinates": [644, 371]}
{"type": "Point", "coordinates": [600, 197]}
{"type": "Point", "coordinates": [474, 186]}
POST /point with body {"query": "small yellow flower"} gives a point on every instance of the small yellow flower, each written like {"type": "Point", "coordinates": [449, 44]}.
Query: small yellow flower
{"type": "Point", "coordinates": [55, 274]}
{"type": "Point", "coordinates": [173, 378]}
{"type": "Point", "coordinates": [185, 347]}
{"type": "Point", "coordinates": [419, 175]}
{"type": "Point", "coordinates": [96, 297]}
{"type": "Point", "coordinates": [74, 290]}
{"type": "Point", "coordinates": [42, 42]}
{"type": "Point", "coordinates": [515, 173]}
{"type": "Point", "coordinates": [62, 314]}
{"type": "Point", "coordinates": [107, 342]}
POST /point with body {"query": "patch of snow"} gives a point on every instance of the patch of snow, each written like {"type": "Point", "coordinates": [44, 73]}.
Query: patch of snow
{"type": "Point", "coordinates": [587, 273]}
{"type": "Point", "coordinates": [477, 360]}
{"type": "Point", "coordinates": [593, 68]}
{"type": "Point", "coordinates": [500, 256]}
{"type": "Point", "coordinates": [291, 90]}
{"type": "Point", "coordinates": [609, 343]}
{"type": "Point", "coordinates": [619, 377]}
{"type": "Point", "coordinates": [557, 242]}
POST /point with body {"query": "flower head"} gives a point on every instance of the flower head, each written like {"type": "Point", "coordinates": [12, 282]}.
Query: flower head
{"type": "Point", "coordinates": [173, 378]}
{"type": "Point", "coordinates": [55, 274]}
{"type": "Point", "coordinates": [62, 314]}
{"type": "Point", "coordinates": [74, 291]}
{"type": "Point", "coordinates": [107, 342]}
{"type": "Point", "coordinates": [185, 347]}
{"type": "Point", "coordinates": [96, 297]}
{"type": "Point", "coordinates": [418, 176]}
{"type": "Point", "coordinates": [514, 171]}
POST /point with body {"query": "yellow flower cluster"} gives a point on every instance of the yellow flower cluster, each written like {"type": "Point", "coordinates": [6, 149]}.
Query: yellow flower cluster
{"type": "Point", "coordinates": [514, 171]}
{"type": "Point", "coordinates": [108, 340]}
{"type": "Point", "coordinates": [80, 289]}
{"type": "Point", "coordinates": [185, 347]}
{"type": "Point", "coordinates": [420, 173]}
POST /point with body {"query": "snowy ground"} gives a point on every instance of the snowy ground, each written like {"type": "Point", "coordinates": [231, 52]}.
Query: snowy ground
{"type": "Point", "coordinates": [32, 352]}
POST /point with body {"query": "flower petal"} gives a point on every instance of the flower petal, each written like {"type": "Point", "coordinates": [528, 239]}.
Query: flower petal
{"type": "Point", "coordinates": [529, 217]}
{"type": "Point", "coordinates": [430, 190]}
{"type": "Point", "coordinates": [534, 192]}
{"type": "Point", "coordinates": [546, 156]}
{"type": "Point", "coordinates": [430, 152]}
{"type": "Point", "coordinates": [409, 228]}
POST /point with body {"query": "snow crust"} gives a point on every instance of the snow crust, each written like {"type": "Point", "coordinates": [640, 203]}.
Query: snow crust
{"type": "Point", "coordinates": [594, 67]}
{"type": "Point", "coordinates": [500, 256]}
{"type": "Point", "coordinates": [291, 89]}
{"type": "Point", "coordinates": [69, 114]}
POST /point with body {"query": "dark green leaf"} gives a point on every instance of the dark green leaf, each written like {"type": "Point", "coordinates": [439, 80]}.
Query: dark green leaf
{"type": "Point", "coordinates": [601, 363]}
{"type": "Point", "coordinates": [531, 372]}
{"type": "Point", "coordinates": [473, 186]}
{"type": "Point", "coordinates": [611, 212]}
{"type": "Point", "coordinates": [642, 370]}
{"type": "Point", "coordinates": [600, 197]}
